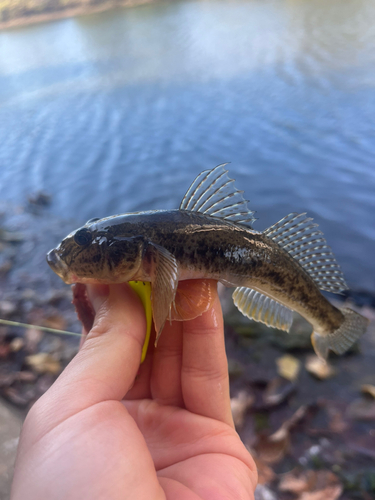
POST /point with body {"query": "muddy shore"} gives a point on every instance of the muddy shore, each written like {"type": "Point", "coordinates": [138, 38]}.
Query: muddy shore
{"type": "Point", "coordinates": [328, 439]}
{"type": "Point", "coordinates": [28, 18]}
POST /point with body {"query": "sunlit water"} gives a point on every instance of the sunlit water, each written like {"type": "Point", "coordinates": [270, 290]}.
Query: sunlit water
{"type": "Point", "coordinates": [119, 111]}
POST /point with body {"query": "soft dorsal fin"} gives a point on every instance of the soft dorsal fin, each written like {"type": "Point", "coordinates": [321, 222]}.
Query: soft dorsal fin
{"type": "Point", "coordinates": [213, 193]}
{"type": "Point", "coordinates": [305, 243]}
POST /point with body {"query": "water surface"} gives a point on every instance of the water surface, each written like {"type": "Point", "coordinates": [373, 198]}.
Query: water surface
{"type": "Point", "coordinates": [119, 111]}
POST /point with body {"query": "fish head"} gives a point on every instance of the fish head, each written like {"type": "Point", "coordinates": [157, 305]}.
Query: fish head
{"type": "Point", "coordinates": [94, 254]}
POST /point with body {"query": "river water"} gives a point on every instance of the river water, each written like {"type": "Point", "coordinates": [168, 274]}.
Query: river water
{"type": "Point", "coordinates": [119, 111]}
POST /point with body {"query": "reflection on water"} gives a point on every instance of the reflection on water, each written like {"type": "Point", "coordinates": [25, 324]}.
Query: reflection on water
{"type": "Point", "coordinates": [119, 111]}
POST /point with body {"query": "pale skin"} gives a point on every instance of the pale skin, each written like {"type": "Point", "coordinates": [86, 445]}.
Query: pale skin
{"type": "Point", "coordinates": [102, 432]}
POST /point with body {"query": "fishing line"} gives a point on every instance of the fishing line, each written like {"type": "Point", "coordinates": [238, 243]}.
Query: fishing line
{"type": "Point", "coordinates": [44, 328]}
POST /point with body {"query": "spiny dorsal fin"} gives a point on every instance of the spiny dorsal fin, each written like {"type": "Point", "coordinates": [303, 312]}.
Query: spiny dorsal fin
{"type": "Point", "coordinates": [213, 193]}
{"type": "Point", "coordinates": [262, 308]}
{"type": "Point", "coordinates": [307, 245]}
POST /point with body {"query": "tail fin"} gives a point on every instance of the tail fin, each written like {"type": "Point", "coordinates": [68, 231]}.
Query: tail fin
{"type": "Point", "coordinates": [353, 326]}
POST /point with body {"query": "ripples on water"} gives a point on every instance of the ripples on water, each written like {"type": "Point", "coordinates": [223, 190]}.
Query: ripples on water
{"type": "Point", "coordinates": [119, 111]}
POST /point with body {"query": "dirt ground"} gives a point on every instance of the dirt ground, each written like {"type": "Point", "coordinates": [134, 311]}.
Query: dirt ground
{"type": "Point", "coordinates": [311, 428]}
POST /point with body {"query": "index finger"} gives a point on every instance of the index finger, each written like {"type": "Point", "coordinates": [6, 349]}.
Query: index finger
{"type": "Point", "coordinates": [204, 372]}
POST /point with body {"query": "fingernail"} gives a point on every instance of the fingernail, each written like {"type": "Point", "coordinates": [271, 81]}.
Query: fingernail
{"type": "Point", "coordinates": [97, 295]}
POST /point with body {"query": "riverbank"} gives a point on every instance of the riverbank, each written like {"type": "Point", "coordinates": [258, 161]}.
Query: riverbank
{"type": "Point", "coordinates": [311, 429]}
{"type": "Point", "coordinates": [14, 14]}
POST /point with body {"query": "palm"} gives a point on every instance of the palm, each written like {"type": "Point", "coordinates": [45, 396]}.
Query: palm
{"type": "Point", "coordinates": [194, 456]}
{"type": "Point", "coordinates": [171, 437]}
{"type": "Point", "coordinates": [180, 403]}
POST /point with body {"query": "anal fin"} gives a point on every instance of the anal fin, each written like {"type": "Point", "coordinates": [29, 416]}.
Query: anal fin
{"type": "Point", "coordinates": [260, 307]}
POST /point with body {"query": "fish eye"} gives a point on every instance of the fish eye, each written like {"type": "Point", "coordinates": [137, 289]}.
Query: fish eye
{"type": "Point", "coordinates": [92, 220]}
{"type": "Point", "coordinates": [83, 237]}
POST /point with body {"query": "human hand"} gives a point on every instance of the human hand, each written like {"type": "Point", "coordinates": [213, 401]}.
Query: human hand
{"type": "Point", "coordinates": [102, 432]}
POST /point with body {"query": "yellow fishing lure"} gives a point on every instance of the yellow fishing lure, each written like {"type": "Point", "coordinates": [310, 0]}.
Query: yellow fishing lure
{"type": "Point", "coordinates": [143, 290]}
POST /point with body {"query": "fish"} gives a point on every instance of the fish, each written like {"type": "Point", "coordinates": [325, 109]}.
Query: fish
{"type": "Point", "coordinates": [210, 236]}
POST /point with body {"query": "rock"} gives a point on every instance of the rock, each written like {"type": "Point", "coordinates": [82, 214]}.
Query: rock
{"type": "Point", "coordinates": [40, 199]}
{"type": "Point", "coordinates": [7, 308]}
{"type": "Point", "coordinates": [19, 398]}
{"type": "Point", "coordinates": [32, 338]}
{"type": "Point", "coordinates": [235, 368]}
{"type": "Point", "coordinates": [10, 428]}
{"type": "Point", "coordinates": [10, 236]}
{"type": "Point", "coordinates": [262, 492]}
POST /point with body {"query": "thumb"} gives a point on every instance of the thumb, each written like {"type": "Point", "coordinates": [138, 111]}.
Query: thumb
{"type": "Point", "coordinates": [105, 367]}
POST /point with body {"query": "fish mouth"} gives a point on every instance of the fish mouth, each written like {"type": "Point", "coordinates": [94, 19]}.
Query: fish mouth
{"type": "Point", "coordinates": [58, 266]}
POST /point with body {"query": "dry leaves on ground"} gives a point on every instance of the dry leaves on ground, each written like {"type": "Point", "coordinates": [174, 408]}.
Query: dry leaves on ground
{"type": "Point", "coordinates": [312, 485]}
{"type": "Point", "coordinates": [239, 405]}
{"type": "Point", "coordinates": [44, 363]}
{"type": "Point", "coordinates": [271, 449]}
{"type": "Point", "coordinates": [368, 389]}
{"type": "Point", "coordinates": [319, 368]}
{"type": "Point", "coordinates": [277, 391]}
{"type": "Point", "coordinates": [288, 367]}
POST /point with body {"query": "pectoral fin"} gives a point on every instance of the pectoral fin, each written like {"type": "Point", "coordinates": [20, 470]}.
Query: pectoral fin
{"type": "Point", "coordinates": [193, 298]}
{"type": "Point", "coordinates": [163, 271]}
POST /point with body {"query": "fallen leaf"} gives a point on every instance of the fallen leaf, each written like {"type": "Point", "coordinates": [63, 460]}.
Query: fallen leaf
{"type": "Point", "coordinates": [368, 389]}
{"type": "Point", "coordinates": [288, 367]}
{"type": "Point", "coordinates": [239, 405]}
{"type": "Point", "coordinates": [312, 485]}
{"type": "Point", "coordinates": [16, 344]}
{"type": "Point", "coordinates": [337, 423]}
{"type": "Point", "coordinates": [44, 363]}
{"type": "Point", "coordinates": [265, 473]}
{"type": "Point", "coordinates": [362, 409]}
{"type": "Point", "coordinates": [319, 368]}
{"type": "Point", "coordinates": [271, 449]}
{"type": "Point", "coordinates": [277, 391]}
{"type": "Point", "coordinates": [297, 483]}
{"type": "Point", "coordinates": [55, 321]}
{"type": "Point", "coordinates": [329, 493]}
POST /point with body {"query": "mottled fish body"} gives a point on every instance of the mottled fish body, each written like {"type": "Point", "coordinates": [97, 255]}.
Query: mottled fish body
{"type": "Point", "coordinates": [210, 236]}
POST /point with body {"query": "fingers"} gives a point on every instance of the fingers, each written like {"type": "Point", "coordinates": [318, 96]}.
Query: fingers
{"type": "Point", "coordinates": [165, 378]}
{"type": "Point", "coordinates": [204, 373]}
{"type": "Point", "coordinates": [106, 366]}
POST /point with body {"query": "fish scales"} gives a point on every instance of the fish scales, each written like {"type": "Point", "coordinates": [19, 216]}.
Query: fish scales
{"type": "Point", "coordinates": [210, 236]}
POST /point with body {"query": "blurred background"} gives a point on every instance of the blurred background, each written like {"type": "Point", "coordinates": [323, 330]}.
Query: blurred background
{"type": "Point", "coordinates": [119, 110]}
